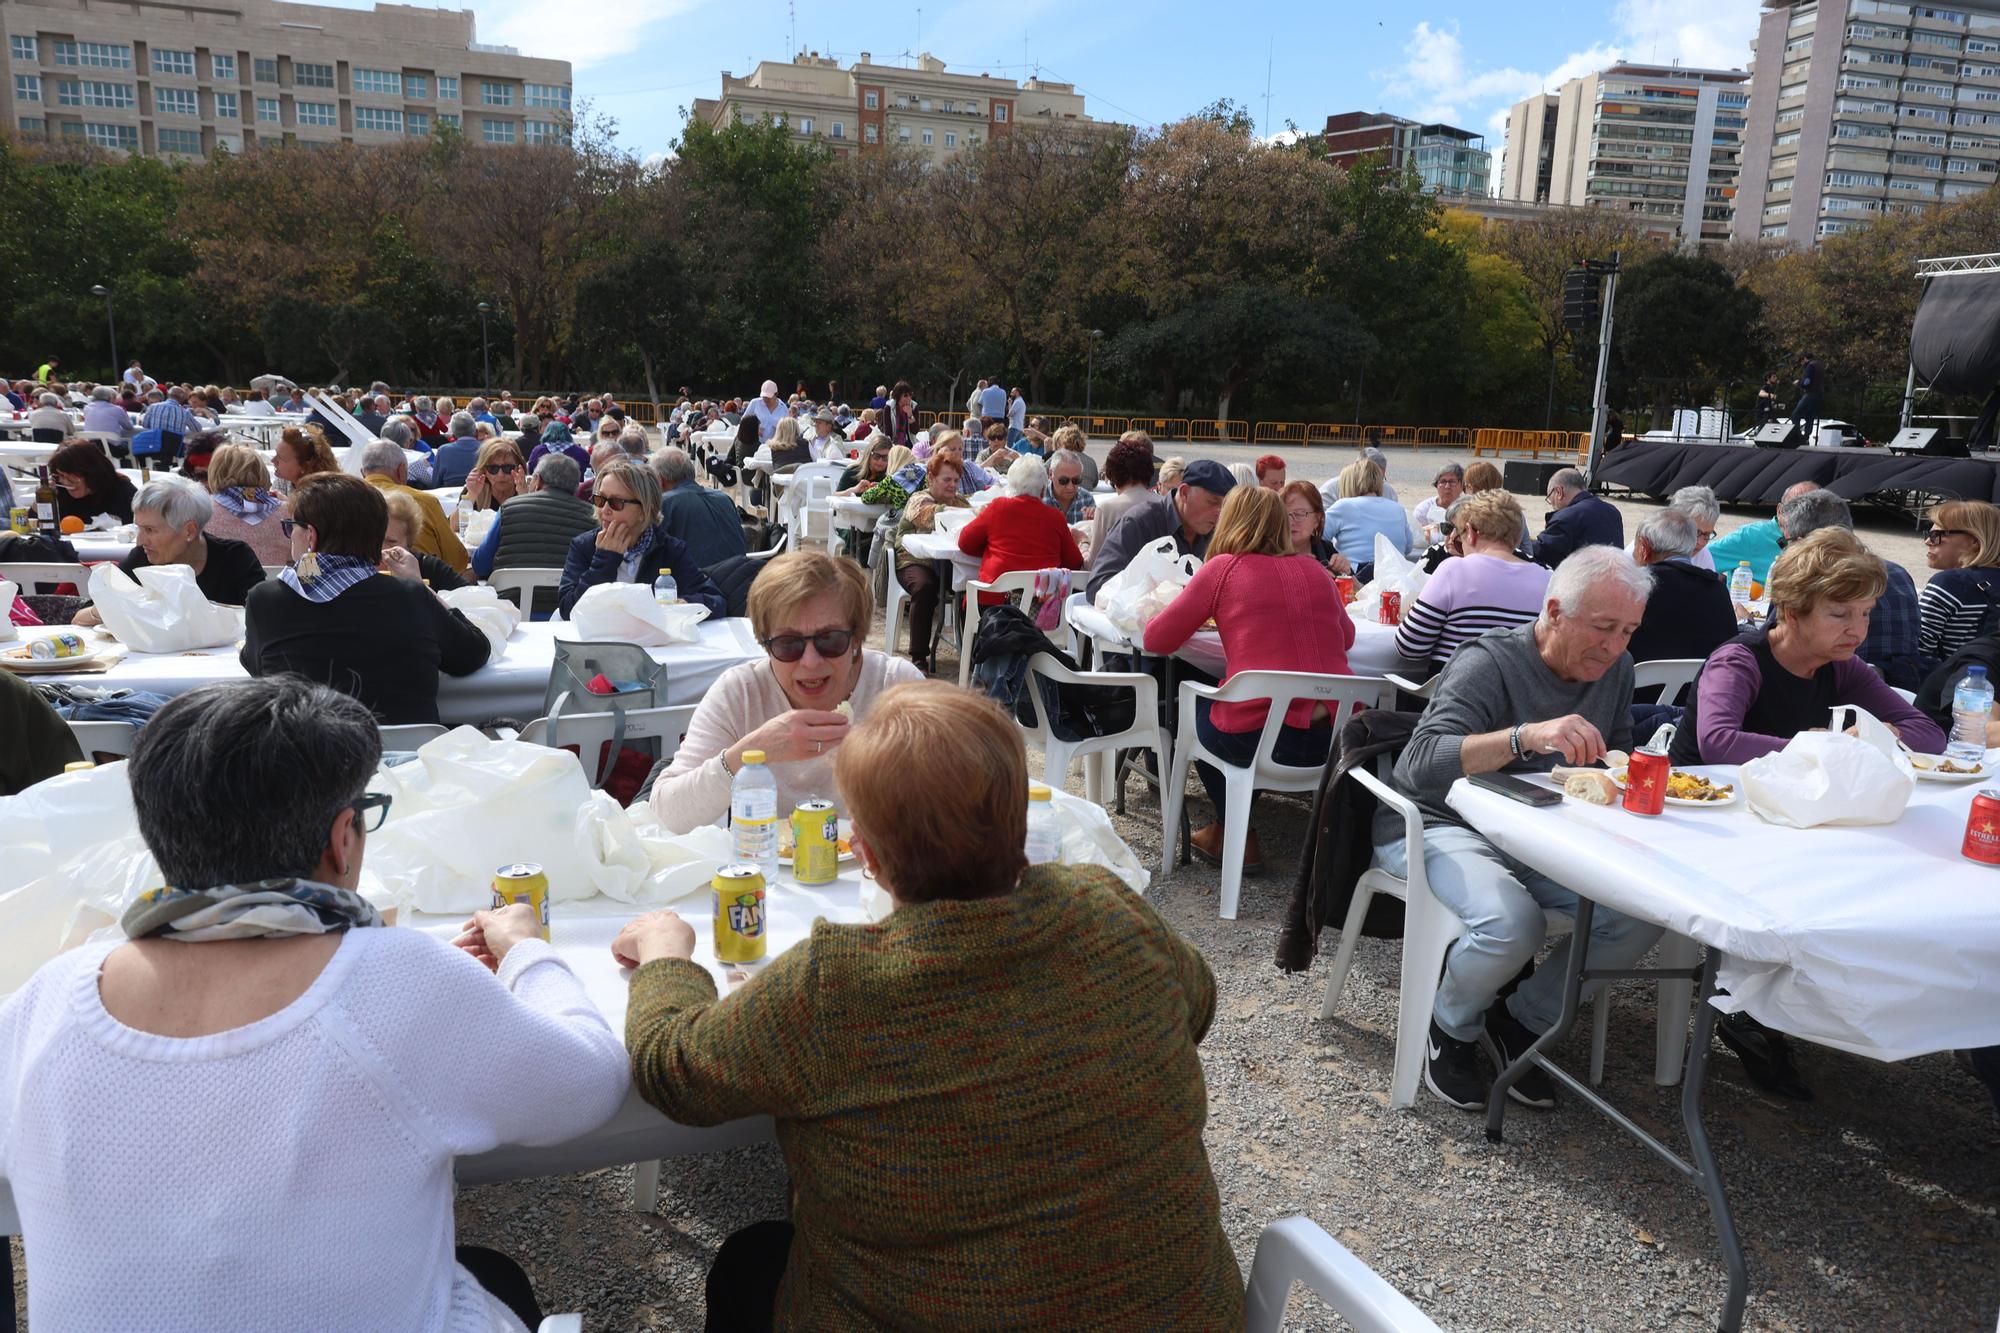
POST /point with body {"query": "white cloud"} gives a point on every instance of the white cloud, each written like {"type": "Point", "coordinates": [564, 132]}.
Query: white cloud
{"type": "Point", "coordinates": [1709, 34]}
{"type": "Point", "coordinates": [586, 35]}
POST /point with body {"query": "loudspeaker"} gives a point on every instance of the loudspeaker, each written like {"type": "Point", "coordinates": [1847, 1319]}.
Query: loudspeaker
{"type": "Point", "coordinates": [1779, 435]}
{"type": "Point", "coordinates": [1914, 440]}
{"type": "Point", "coordinates": [1526, 477]}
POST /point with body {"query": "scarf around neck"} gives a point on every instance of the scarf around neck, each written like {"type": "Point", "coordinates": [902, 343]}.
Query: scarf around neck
{"type": "Point", "coordinates": [252, 505]}
{"type": "Point", "coordinates": [337, 573]}
{"type": "Point", "coordinates": [260, 909]}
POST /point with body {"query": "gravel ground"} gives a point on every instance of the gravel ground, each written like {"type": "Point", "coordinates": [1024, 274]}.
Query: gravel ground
{"type": "Point", "coordinates": [1875, 1207]}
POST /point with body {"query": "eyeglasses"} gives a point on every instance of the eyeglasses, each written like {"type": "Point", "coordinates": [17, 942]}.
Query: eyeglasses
{"type": "Point", "coordinates": [1936, 536]}
{"type": "Point", "coordinates": [285, 525]}
{"type": "Point", "coordinates": [828, 643]}
{"type": "Point", "coordinates": [370, 811]}
{"type": "Point", "coordinates": [502, 469]}
{"type": "Point", "coordinates": [1064, 481]}
{"type": "Point", "coordinates": [612, 502]}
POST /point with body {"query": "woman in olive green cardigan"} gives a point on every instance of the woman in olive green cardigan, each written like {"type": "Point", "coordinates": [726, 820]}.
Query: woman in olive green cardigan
{"type": "Point", "coordinates": [990, 1103]}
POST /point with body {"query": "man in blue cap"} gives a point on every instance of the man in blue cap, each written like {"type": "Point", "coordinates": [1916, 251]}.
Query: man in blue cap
{"type": "Point", "coordinates": [1187, 515]}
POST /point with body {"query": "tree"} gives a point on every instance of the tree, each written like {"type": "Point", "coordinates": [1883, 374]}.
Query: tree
{"type": "Point", "coordinates": [1682, 328]}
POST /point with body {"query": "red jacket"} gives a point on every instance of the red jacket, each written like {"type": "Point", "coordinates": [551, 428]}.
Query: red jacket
{"type": "Point", "coordinates": [1019, 532]}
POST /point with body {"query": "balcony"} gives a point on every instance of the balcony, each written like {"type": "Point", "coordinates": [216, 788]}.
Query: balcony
{"type": "Point", "coordinates": [1912, 97]}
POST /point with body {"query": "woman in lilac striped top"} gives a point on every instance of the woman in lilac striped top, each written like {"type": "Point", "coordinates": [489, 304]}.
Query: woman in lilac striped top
{"type": "Point", "coordinates": [1487, 587]}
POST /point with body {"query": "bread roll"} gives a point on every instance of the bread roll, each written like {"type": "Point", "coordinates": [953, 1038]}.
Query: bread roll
{"type": "Point", "coordinates": [1590, 785]}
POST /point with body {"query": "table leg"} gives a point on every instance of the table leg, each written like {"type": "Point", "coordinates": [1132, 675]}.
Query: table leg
{"type": "Point", "coordinates": [1677, 952]}
{"type": "Point", "coordinates": [1707, 1173]}
{"type": "Point", "coordinates": [946, 598]}
{"type": "Point", "coordinates": [1579, 950]}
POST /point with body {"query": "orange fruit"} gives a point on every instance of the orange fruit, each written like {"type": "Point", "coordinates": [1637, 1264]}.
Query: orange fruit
{"type": "Point", "coordinates": [71, 525]}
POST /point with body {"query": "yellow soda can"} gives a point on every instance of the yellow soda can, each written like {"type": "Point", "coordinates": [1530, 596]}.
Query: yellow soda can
{"type": "Point", "coordinates": [523, 882]}
{"type": "Point", "coordinates": [815, 842]}
{"type": "Point", "coordinates": [739, 914]}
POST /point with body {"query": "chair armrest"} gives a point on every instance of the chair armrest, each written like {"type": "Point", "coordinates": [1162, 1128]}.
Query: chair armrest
{"type": "Point", "coordinates": [1146, 689]}
{"type": "Point", "coordinates": [1297, 1249]}
{"type": "Point", "coordinates": [1413, 818]}
{"type": "Point", "coordinates": [1404, 683]}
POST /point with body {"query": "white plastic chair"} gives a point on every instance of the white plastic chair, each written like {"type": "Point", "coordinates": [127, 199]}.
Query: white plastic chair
{"type": "Point", "coordinates": [560, 1323]}
{"type": "Point", "coordinates": [1429, 930]}
{"type": "Point", "coordinates": [410, 735]}
{"type": "Point", "coordinates": [272, 571]}
{"type": "Point", "coordinates": [95, 738]}
{"type": "Point", "coordinates": [1099, 753]}
{"type": "Point", "coordinates": [1410, 687]}
{"type": "Point", "coordinates": [524, 581]}
{"type": "Point", "coordinates": [26, 575]}
{"type": "Point", "coordinates": [1341, 694]}
{"type": "Point", "coordinates": [1672, 674]}
{"type": "Point", "coordinates": [1019, 580]}
{"type": "Point", "coordinates": [590, 732]}
{"type": "Point", "coordinates": [1297, 1249]}
{"type": "Point", "coordinates": [806, 510]}
{"type": "Point", "coordinates": [778, 548]}
{"type": "Point", "coordinates": [106, 439]}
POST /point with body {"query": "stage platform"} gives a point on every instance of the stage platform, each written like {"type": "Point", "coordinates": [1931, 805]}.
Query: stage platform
{"type": "Point", "coordinates": [1751, 475]}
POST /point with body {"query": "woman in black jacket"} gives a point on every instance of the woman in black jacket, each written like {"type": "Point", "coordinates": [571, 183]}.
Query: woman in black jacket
{"type": "Point", "coordinates": [86, 484]}
{"type": "Point", "coordinates": [630, 544]}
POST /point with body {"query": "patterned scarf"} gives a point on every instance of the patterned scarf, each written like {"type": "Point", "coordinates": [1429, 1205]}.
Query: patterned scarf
{"type": "Point", "coordinates": [628, 567]}
{"type": "Point", "coordinates": [337, 573]}
{"type": "Point", "coordinates": [259, 910]}
{"type": "Point", "coordinates": [252, 505]}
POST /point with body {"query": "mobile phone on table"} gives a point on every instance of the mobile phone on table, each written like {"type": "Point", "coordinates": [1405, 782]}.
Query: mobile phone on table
{"type": "Point", "coordinates": [1516, 789]}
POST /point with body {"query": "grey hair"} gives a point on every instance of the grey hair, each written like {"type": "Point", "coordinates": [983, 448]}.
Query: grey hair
{"type": "Point", "coordinates": [49, 400]}
{"type": "Point", "coordinates": [673, 466]}
{"type": "Point", "coordinates": [633, 434]}
{"type": "Point", "coordinates": [1377, 457]}
{"type": "Point", "coordinates": [1670, 531]}
{"type": "Point", "coordinates": [1448, 470]}
{"type": "Point", "coordinates": [242, 781]}
{"type": "Point", "coordinates": [528, 421]}
{"type": "Point", "coordinates": [1028, 475]}
{"type": "Point", "coordinates": [1064, 458]}
{"type": "Point", "coordinates": [424, 404]}
{"type": "Point", "coordinates": [176, 501]}
{"type": "Point", "coordinates": [382, 403]}
{"type": "Point", "coordinates": [1590, 567]}
{"type": "Point", "coordinates": [1803, 515]}
{"type": "Point", "coordinates": [476, 404]}
{"type": "Point", "coordinates": [604, 453]}
{"type": "Point", "coordinates": [461, 425]}
{"type": "Point", "coordinates": [1697, 502]}
{"type": "Point", "coordinates": [636, 478]}
{"type": "Point", "coordinates": [102, 393]}
{"type": "Point", "coordinates": [557, 471]}
{"type": "Point", "coordinates": [398, 432]}
{"type": "Point", "coordinates": [1570, 479]}
{"type": "Point", "coordinates": [383, 456]}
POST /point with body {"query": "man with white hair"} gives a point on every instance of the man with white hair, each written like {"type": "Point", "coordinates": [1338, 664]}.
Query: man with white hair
{"type": "Point", "coordinates": [103, 414]}
{"type": "Point", "coordinates": [1557, 690]}
{"type": "Point", "coordinates": [1689, 614]}
{"type": "Point", "coordinates": [768, 409]}
{"type": "Point", "coordinates": [49, 423]}
{"type": "Point", "coordinates": [705, 521]}
{"type": "Point", "coordinates": [384, 467]}
{"type": "Point", "coordinates": [170, 514]}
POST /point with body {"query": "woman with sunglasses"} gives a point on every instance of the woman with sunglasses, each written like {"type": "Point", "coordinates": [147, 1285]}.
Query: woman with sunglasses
{"type": "Point", "coordinates": [496, 476]}
{"type": "Point", "coordinates": [811, 612]}
{"type": "Point", "coordinates": [630, 544]}
{"type": "Point", "coordinates": [1963, 547]}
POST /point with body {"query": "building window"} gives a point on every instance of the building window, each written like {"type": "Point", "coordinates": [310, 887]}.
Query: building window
{"type": "Point", "coordinates": [175, 102]}
{"type": "Point", "coordinates": [544, 131]}
{"type": "Point", "coordinates": [871, 100]}
{"type": "Point", "coordinates": [950, 107]}
{"type": "Point", "coordinates": [125, 137]}
{"type": "Point", "coordinates": [839, 130]}
{"type": "Point", "coordinates": [447, 88]}
{"type": "Point", "coordinates": [417, 122]}
{"type": "Point", "coordinates": [448, 118]}
{"type": "Point", "coordinates": [24, 50]}
{"type": "Point", "coordinates": [267, 110]}
{"type": "Point", "coordinates": [263, 70]}
{"type": "Point", "coordinates": [185, 142]}
{"type": "Point", "coordinates": [316, 113]}
{"type": "Point", "coordinates": [34, 125]}
{"type": "Point", "coordinates": [1000, 112]}
{"type": "Point", "coordinates": [950, 139]}
{"type": "Point", "coordinates": [552, 96]}
{"type": "Point", "coordinates": [416, 88]}
{"type": "Point", "coordinates": [222, 68]}
{"type": "Point", "coordinates": [868, 134]}
{"type": "Point", "coordinates": [111, 96]}
{"type": "Point", "coordinates": [173, 62]}
{"type": "Point", "coordinates": [378, 118]}
{"type": "Point", "coordinates": [386, 81]}
{"type": "Point", "coordinates": [312, 76]}
{"type": "Point", "coordinates": [227, 107]}
{"type": "Point", "coordinates": [805, 124]}
{"type": "Point", "coordinates": [928, 138]}
{"type": "Point", "coordinates": [27, 87]}
{"type": "Point", "coordinates": [497, 131]}
{"type": "Point", "coordinates": [778, 119]}
{"type": "Point", "coordinates": [902, 134]}
{"type": "Point", "coordinates": [496, 94]}
{"type": "Point", "coordinates": [98, 55]}
{"type": "Point", "coordinates": [925, 104]}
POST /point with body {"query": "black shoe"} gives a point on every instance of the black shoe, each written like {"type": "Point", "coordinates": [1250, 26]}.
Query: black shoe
{"type": "Point", "coordinates": [1452, 1071]}
{"type": "Point", "coordinates": [1505, 1039]}
{"type": "Point", "coordinates": [1766, 1056]}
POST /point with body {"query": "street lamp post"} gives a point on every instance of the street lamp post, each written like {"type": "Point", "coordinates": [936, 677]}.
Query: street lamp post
{"type": "Point", "coordinates": [1090, 368]}
{"type": "Point", "coordinates": [485, 353]}
{"type": "Point", "coordinates": [110, 323]}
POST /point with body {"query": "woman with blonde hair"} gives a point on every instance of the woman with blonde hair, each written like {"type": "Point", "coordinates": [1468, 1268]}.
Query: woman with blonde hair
{"type": "Point", "coordinates": [1170, 475]}
{"type": "Point", "coordinates": [1963, 547]}
{"type": "Point", "coordinates": [302, 452]}
{"type": "Point", "coordinates": [498, 474]}
{"type": "Point", "coordinates": [1361, 514]}
{"type": "Point", "coordinates": [811, 611]}
{"type": "Point", "coordinates": [1275, 612]}
{"type": "Point", "coordinates": [1488, 587]}
{"type": "Point", "coordinates": [630, 543]}
{"type": "Point", "coordinates": [246, 508]}
{"type": "Point", "coordinates": [1041, 1004]}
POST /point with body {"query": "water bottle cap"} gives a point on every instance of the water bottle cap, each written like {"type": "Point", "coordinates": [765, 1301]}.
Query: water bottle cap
{"type": "Point", "coordinates": [1743, 564]}
{"type": "Point", "coordinates": [753, 756]}
{"type": "Point", "coordinates": [1037, 792]}
{"type": "Point", "coordinates": [1975, 671]}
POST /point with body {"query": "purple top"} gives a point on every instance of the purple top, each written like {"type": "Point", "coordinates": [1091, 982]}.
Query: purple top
{"type": "Point", "coordinates": [575, 451]}
{"type": "Point", "coordinates": [1729, 684]}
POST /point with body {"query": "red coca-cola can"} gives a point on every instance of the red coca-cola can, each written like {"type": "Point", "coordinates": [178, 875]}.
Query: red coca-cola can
{"type": "Point", "coordinates": [1392, 608]}
{"type": "Point", "coordinates": [1646, 783]}
{"type": "Point", "coordinates": [1344, 585]}
{"type": "Point", "coordinates": [1982, 828]}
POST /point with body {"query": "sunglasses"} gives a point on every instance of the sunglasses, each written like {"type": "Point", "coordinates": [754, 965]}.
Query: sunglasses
{"type": "Point", "coordinates": [285, 525]}
{"type": "Point", "coordinates": [370, 811]}
{"type": "Point", "coordinates": [1064, 481]}
{"type": "Point", "coordinates": [828, 643]}
{"type": "Point", "coordinates": [1936, 536]}
{"type": "Point", "coordinates": [502, 469]}
{"type": "Point", "coordinates": [611, 502]}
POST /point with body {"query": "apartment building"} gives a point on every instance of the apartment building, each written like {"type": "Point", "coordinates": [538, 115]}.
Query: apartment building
{"type": "Point", "coordinates": [193, 79]}
{"type": "Point", "coordinates": [1862, 107]}
{"type": "Point", "coordinates": [1657, 140]}
{"type": "Point", "coordinates": [866, 105]}
{"type": "Point", "coordinates": [1447, 160]}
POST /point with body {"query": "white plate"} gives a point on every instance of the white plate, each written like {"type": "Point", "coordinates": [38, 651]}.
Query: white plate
{"type": "Point", "coordinates": [32, 666]}
{"type": "Point", "coordinates": [1925, 774]}
{"type": "Point", "coordinates": [1735, 794]}
{"type": "Point", "coordinates": [846, 831]}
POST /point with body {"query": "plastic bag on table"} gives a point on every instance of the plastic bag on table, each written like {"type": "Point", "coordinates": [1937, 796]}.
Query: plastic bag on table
{"type": "Point", "coordinates": [1829, 777]}
{"type": "Point", "coordinates": [1394, 572]}
{"type": "Point", "coordinates": [627, 613]}
{"type": "Point", "coordinates": [1136, 593]}
{"type": "Point", "coordinates": [74, 859]}
{"type": "Point", "coordinates": [163, 612]}
{"type": "Point", "coordinates": [494, 614]}
{"type": "Point", "coordinates": [478, 522]}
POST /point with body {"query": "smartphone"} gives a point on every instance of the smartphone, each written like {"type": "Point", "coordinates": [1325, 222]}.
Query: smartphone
{"type": "Point", "coordinates": [1514, 789]}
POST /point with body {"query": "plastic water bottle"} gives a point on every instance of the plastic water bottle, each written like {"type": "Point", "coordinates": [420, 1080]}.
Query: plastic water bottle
{"type": "Point", "coordinates": [665, 591]}
{"type": "Point", "coordinates": [1740, 583]}
{"type": "Point", "coordinates": [753, 814]}
{"type": "Point", "coordinates": [1044, 837]}
{"type": "Point", "coordinates": [1971, 706]}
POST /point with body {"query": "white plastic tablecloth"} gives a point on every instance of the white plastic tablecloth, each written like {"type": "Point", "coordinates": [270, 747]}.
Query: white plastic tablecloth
{"type": "Point", "coordinates": [1879, 940]}
{"type": "Point", "coordinates": [1373, 654]}
{"type": "Point", "coordinates": [943, 546]}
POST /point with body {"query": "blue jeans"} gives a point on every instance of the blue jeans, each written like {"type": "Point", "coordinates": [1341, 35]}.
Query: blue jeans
{"type": "Point", "coordinates": [1303, 747]}
{"type": "Point", "coordinates": [1501, 902]}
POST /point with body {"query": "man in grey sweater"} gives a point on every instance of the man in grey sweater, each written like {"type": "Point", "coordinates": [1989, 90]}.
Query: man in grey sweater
{"type": "Point", "coordinates": [1556, 690]}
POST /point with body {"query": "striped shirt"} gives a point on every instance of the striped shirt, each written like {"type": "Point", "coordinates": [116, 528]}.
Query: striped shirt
{"type": "Point", "coordinates": [168, 416]}
{"type": "Point", "coordinates": [1951, 608]}
{"type": "Point", "coordinates": [1468, 596]}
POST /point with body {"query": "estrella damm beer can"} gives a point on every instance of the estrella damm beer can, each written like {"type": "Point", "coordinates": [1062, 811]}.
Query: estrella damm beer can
{"type": "Point", "coordinates": [739, 914]}
{"type": "Point", "coordinates": [815, 842]}
{"type": "Point", "coordinates": [523, 882]}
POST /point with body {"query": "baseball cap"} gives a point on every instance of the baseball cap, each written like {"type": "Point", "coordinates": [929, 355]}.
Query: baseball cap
{"type": "Point", "coordinates": [769, 389]}
{"type": "Point", "coordinates": [1210, 476]}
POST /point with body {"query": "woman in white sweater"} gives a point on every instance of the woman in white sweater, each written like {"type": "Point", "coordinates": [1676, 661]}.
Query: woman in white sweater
{"type": "Point", "coordinates": [191, 1116]}
{"type": "Point", "coordinates": [811, 612]}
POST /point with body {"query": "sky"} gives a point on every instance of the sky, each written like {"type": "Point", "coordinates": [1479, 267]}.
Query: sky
{"type": "Point", "coordinates": [640, 62]}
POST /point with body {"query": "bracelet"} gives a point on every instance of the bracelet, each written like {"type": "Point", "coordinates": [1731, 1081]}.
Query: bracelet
{"type": "Point", "coordinates": [1514, 741]}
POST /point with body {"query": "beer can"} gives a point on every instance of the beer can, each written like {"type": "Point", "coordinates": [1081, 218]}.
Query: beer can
{"type": "Point", "coordinates": [523, 882]}
{"type": "Point", "coordinates": [1982, 828]}
{"type": "Point", "coordinates": [21, 519]}
{"type": "Point", "coordinates": [739, 914]}
{"type": "Point", "coordinates": [1344, 585]}
{"type": "Point", "coordinates": [1646, 777]}
{"type": "Point", "coordinates": [1392, 608]}
{"type": "Point", "coordinates": [815, 842]}
{"type": "Point", "coordinates": [65, 644]}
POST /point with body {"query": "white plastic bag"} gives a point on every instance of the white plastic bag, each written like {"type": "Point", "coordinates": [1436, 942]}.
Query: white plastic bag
{"type": "Point", "coordinates": [163, 612]}
{"type": "Point", "coordinates": [627, 613]}
{"type": "Point", "coordinates": [1394, 572]}
{"type": "Point", "coordinates": [73, 860]}
{"type": "Point", "coordinates": [478, 522]}
{"type": "Point", "coordinates": [1829, 777]}
{"type": "Point", "coordinates": [494, 614]}
{"type": "Point", "coordinates": [1136, 593]}
{"type": "Point", "coordinates": [8, 591]}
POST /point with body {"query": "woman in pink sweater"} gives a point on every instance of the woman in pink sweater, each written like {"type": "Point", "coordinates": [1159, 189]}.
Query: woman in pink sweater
{"type": "Point", "coordinates": [1276, 612]}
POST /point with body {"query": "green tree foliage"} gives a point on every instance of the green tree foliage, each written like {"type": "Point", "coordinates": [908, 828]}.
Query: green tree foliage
{"type": "Point", "coordinates": [1682, 327]}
